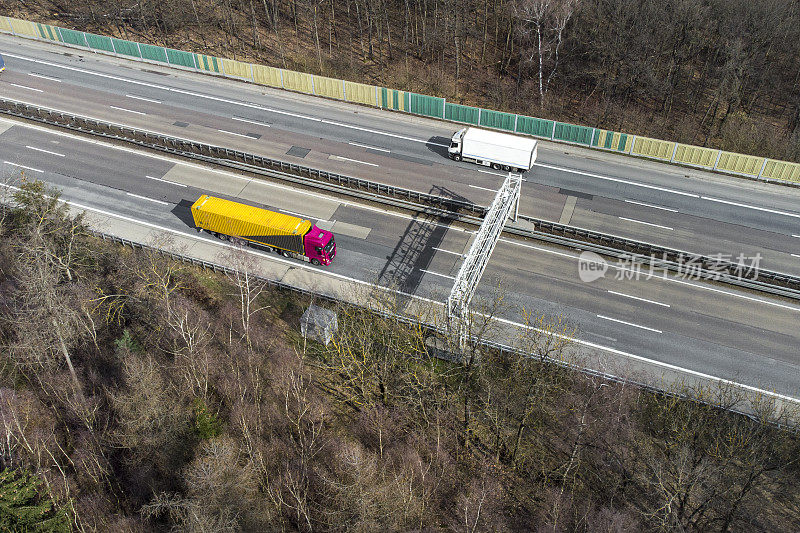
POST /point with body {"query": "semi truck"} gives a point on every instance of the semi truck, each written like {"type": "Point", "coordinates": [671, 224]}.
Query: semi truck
{"type": "Point", "coordinates": [2, 64]}
{"type": "Point", "coordinates": [288, 235]}
{"type": "Point", "coordinates": [500, 151]}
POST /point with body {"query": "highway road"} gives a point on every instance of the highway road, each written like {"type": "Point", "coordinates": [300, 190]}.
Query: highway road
{"type": "Point", "coordinates": [704, 328]}
{"type": "Point", "coordinates": [682, 208]}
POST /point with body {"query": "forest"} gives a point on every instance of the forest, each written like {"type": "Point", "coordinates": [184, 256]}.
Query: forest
{"type": "Point", "coordinates": [718, 73]}
{"type": "Point", "coordinates": [138, 393]}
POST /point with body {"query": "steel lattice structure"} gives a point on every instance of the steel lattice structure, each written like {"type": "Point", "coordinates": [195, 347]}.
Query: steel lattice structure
{"type": "Point", "coordinates": [476, 259]}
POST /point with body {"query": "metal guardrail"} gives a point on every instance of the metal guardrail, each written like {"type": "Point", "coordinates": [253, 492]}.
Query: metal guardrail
{"type": "Point", "coordinates": [645, 254]}
{"type": "Point", "coordinates": [432, 329]}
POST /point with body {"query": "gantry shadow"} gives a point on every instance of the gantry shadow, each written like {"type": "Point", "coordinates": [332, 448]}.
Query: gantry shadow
{"type": "Point", "coordinates": [415, 250]}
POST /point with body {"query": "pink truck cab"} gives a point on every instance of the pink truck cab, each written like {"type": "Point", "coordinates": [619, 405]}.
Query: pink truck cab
{"type": "Point", "coordinates": [319, 244]}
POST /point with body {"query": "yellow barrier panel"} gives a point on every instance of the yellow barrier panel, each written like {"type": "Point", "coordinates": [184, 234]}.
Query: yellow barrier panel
{"type": "Point", "coordinates": [236, 68]}
{"type": "Point", "coordinates": [360, 93]}
{"type": "Point", "coordinates": [653, 148]}
{"type": "Point", "coordinates": [696, 155]}
{"type": "Point", "coordinates": [23, 27]}
{"type": "Point", "coordinates": [329, 87]}
{"type": "Point", "coordinates": [297, 81]}
{"type": "Point", "coordinates": [5, 25]}
{"type": "Point", "coordinates": [740, 164]}
{"type": "Point", "coordinates": [781, 170]}
{"type": "Point", "coordinates": [267, 75]}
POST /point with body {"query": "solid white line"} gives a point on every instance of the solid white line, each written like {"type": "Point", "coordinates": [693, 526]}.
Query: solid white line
{"type": "Point", "coordinates": [126, 110]}
{"type": "Point", "coordinates": [795, 255]}
{"type": "Point", "coordinates": [23, 166]}
{"type": "Point", "coordinates": [436, 273]}
{"type": "Point", "coordinates": [143, 98]}
{"type": "Point", "coordinates": [483, 188]}
{"type": "Point", "coordinates": [166, 181]}
{"type": "Point", "coordinates": [43, 76]}
{"type": "Point", "coordinates": [353, 160]}
{"type": "Point", "coordinates": [798, 236]}
{"type": "Point", "coordinates": [26, 87]}
{"type": "Point", "coordinates": [653, 206]}
{"type": "Point", "coordinates": [234, 133]}
{"type": "Point", "coordinates": [629, 323]}
{"type": "Point", "coordinates": [447, 251]}
{"type": "Point", "coordinates": [226, 100]}
{"type": "Point", "coordinates": [581, 342]}
{"type": "Point", "coordinates": [369, 147]}
{"type": "Point", "coordinates": [257, 123]}
{"type": "Point", "coordinates": [45, 151]}
{"type": "Point", "coordinates": [618, 180]}
{"type": "Point", "coordinates": [645, 223]}
{"type": "Point", "coordinates": [637, 298]}
{"type": "Point", "coordinates": [492, 173]}
{"type": "Point", "coordinates": [748, 206]}
{"type": "Point", "coordinates": [146, 198]}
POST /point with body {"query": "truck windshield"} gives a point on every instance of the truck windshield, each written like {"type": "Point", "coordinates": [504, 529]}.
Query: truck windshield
{"type": "Point", "coordinates": [329, 246]}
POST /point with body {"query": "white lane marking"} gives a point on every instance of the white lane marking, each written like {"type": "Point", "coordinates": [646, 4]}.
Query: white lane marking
{"type": "Point", "coordinates": [43, 76]}
{"type": "Point", "coordinates": [166, 181]}
{"type": "Point", "coordinates": [483, 188]}
{"type": "Point", "coordinates": [146, 198]}
{"type": "Point", "coordinates": [653, 206]}
{"type": "Point", "coordinates": [301, 215]}
{"type": "Point", "coordinates": [493, 173]}
{"type": "Point", "coordinates": [798, 236]}
{"type": "Point", "coordinates": [369, 147]}
{"type": "Point", "coordinates": [237, 134]}
{"type": "Point", "coordinates": [669, 279]}
{"type": "Point", "coordinates": [447, 251]}
{"type": "Point", "coordinates": [127, 110]}
{"type": "Point", "coordinates": [581, 342]}
{"type": "Point", "coordinates": [619, 180]}
{"type": "Point", "coordinates": [45, 151]}
{"type": "Point", "coordinates": [23, 166]}
{"type": "Point", "coordinates": [257, 123]}
{"type": "Point", "coordinates": [638, 298]}
{"type": "Point", "coordinates": [748, 206]}
{"type": "Point", "coordinates": [436, 273]}
{"type": "Point", "coordinates": [26, 87]}
{"type": "Point", "coordinates": [629, 323]}
{"type": "Point", "coordinates": [227, 101]}
{"type": "Point", "coordinates": [795, 255]}
{"type": "Point", "coordinates": [353, 160]}
{"type": "Point", "coordinates": [143, 98]}
{"type": "Point", "coordinates": [612, 339]}
{"type": "Point", "coordinates": [645, 223]}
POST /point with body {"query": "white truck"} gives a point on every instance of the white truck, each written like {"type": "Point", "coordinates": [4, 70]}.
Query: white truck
{"type": "Point", "coordinates": [500, 151]}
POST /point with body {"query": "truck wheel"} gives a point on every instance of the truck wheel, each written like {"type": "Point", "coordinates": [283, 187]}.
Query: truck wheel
{"type": "Point", "coordinates": [315, 262]}
{"type": "Point", "coordinates": [507, 168]}
{"type": "Point", "coordinates": [495, 166]}
{"type": "Point", "coordinates": [457, 157]}
{"type": "Point", "coordinates": [286, 254]}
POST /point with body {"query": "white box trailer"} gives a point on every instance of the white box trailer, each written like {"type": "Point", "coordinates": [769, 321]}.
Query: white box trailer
{"type": "Point", "coordinates": [500, 151]}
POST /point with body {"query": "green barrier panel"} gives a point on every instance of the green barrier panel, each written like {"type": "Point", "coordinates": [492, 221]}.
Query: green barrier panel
{"type": "Point", "coordinates": [360, 93]}
{"type": "Point", "coordinates": [573, 133]}
{"type": "Point", "coordinates": [5, 25]}
{"type": "Point", "coordinates": [781, 170]}
{"type": "Point", "coordinates": [154, 53]}
{"type": "Point", "coordinates": [497, 119]}
{"type": "Point", "coordinates": [209, 63]}
{"type": "Point", "coordinates": [740, 164]}
{"type": "Point", "coordinates": [461, 113]}
{"type": "Point", "coordinates": [623, 142]}
{"type": "Point", "coordinates": [534, 126]}
{"type": "Point", "coordinates": [48, 32]}
{"type": "Point", "coordinates": [126, 48]}
{"type": "Point", "coordinates": [73, 37]}
{"type": "Point", "coordinates": [23, 27]}
{"type": "Point", "coordinates": [267, 75]}
{"type": "Point", "coordinates": [392, 99]}
{"type": "Point", "coordinates": [99, 42]}
{"type": "Point", "coordinates": [421, 104]}
{"type": "Point", "coordinates": [696, 155]}
{"type": "Point", "coordinates": [295, 81]}
{"type": "Point", "coordinates": [610, 140]}
{"type": "Point", "coordinates": [179, 57]}
{"type": "Point", "coordinates": [328, 87]}
{"type": "Point", "coordinates": [655, 148]}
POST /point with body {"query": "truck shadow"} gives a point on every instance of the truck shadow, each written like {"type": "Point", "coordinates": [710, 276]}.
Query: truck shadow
{"type": "Point", "coordinates": [438, 145]}
{"type": "Point", "coordinates": [415, 250]}
{"type": "Point", "coordinates": [183, 212]}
